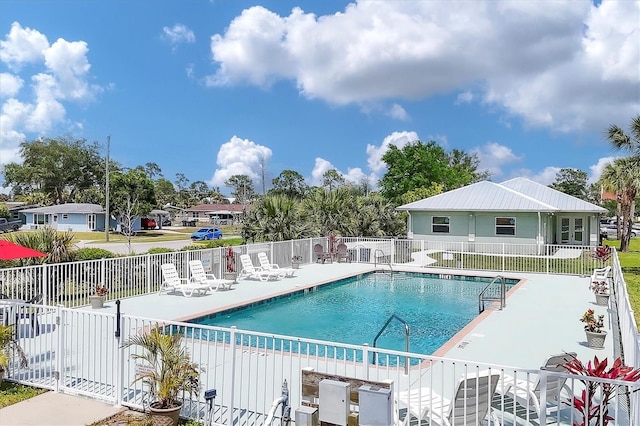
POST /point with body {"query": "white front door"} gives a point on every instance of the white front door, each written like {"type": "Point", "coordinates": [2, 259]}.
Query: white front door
{"type": "Point", "coordinates": [572, 230]}
{"type": "Point", "coordinates": [91, 222]}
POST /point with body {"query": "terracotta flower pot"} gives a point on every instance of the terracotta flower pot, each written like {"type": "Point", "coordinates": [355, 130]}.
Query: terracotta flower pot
{"type": "Point", "coordinates": [164, 416]}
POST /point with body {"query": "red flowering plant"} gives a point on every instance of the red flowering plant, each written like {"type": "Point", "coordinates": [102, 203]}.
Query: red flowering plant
{"type": "Point", "coordinates": [597, 411]}
{"type": "Point", "coordinates": [101, 290]}
{"type": "Point", "coordinates": [602, 253]}
{"type": "Point", "coordinates": [599, 287]}
{"type": "Point", "coordinates": [230, 255]}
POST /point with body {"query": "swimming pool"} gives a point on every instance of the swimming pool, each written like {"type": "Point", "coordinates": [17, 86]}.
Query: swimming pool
{"type": "Point", "coordinates": [354, 310]}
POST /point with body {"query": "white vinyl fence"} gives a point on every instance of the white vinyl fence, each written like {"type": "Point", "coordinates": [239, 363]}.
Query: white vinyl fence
{"type": "Point", "coordinates": [78, 352]}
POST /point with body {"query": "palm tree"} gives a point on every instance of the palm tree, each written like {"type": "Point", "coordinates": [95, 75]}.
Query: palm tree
{"type": "Point", "coordinates": [623, 178]}
{"type": "Point", "coordinates": [627, 142]}
{"type": "Point", "coordinates": [628, 174]}
{"type": "Point", "coordinates": [275, 218]}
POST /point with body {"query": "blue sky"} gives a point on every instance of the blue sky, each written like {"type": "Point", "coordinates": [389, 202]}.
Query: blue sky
{"type": "Point", "coordinates": [213, 89]}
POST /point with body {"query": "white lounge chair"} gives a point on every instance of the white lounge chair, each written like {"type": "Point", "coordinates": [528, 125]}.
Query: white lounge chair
{"type": "Point", "coordinates": [470, 404]}
{"type": "Point", "coordinates": [601, 274]}
{"type": "Point", "coordinates": [250, 271]}
{"type": "Point", "coordinates": [527, 393]}
{"type": "Point", "coordinates": [172, 281]}
{"type": "Point", "coordinates": [198, 275]}
{"type": "Point", "coordinates": [266, 265]}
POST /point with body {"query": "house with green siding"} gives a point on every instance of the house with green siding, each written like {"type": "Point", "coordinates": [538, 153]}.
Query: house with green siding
{"type": "Point", "coordinates": [517, 211]}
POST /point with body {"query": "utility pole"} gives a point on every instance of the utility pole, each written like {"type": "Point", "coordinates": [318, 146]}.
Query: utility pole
{"type": "Point", "coordinates": [107, 216]}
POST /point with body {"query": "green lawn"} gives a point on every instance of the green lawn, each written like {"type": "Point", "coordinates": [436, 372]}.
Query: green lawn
{"type": "Point", "coordinates": [630, 262]}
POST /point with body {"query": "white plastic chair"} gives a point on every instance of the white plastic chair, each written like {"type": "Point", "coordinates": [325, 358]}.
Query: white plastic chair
{"type": "Point", "coordinates": [266, 265]}
{"type": "Point", "coordinates": [250, 271]}
{"type": "Point", "coordinates": [172, 281]}
{"type": "Point", "coordinates": [199, 275]}
{"type": "Point", "coordinates": [470, 404]}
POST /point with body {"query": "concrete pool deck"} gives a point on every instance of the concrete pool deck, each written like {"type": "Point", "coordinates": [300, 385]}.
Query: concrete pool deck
{"type": "Point", "coordinates": [542, 316]}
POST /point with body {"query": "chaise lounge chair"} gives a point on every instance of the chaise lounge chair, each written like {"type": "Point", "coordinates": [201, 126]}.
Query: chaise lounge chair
{"type": "Point", "coordinates": [266, 265]}
{"type": "Point", "coordinates": [172, 281]}
{"type": "Point", "coordinates": [198, 275]}
{"type": "Point", "coordinates": [256, 272]}
{"type": "Point", "coordinates": [527, 393]}
{"type": "Point", "coordinates": [470, 404]}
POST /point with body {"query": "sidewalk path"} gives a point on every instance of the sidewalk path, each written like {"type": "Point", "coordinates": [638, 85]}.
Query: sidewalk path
{"type": "Point", "coordinates": [56, 409]}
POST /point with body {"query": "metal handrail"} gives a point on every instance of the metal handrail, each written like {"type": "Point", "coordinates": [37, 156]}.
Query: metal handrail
{"type": "Point", "coordinates": [484, 298]}
{"type": "Point", "coordinates": [375, 260]}
{"type": "Point", "coordinates": [406, 345]}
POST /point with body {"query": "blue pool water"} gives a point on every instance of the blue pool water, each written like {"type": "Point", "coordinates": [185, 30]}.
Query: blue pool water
{"type": "Point", "coordinates": [354, 310]}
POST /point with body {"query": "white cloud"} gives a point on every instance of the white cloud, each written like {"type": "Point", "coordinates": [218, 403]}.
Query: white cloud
{"type": "Point", "coordinates": [320, 167]}
{"type": "Point", "coordinates": [397, 112]}
{"type": "Point", "coordinates": [554, 64]}
{"type": "Point", "coordinates": [545, 177]}
{"type": "Point", "coordinates": [22, 46]}
{"type": "Point", "coordinates": [59, 74]}
{"type": "Point", "coordinates": [493, 156]}
{"type": "Point", "coordinates": [375, 153]}
{"type": "Point", "coordinates": [596, 169]}
{"type": "Point", "coordinates": [10, 84]}
{"type": "Point", "coordinates": [177, 34]}
{"type": "Point", "coordinates": [240, 157]}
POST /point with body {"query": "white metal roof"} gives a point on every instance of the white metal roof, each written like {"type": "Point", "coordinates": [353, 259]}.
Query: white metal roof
{"type": "Point", "coordinates": [560, 200]}
{"type": "Point", "coordinates": [67, 208]}
{"type": "Point", "coordinates": [517, 195]}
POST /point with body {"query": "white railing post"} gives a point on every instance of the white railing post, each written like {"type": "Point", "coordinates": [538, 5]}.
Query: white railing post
{"type": "Point", "coordinates": [232, 346]}
{"type": "Point", "coordinates": [503, 256]}
{"type": "Point", "coordinates": [365, 360]}
{"type": "Point", "coordinates": [148, 272]}
{"type": "Point", "coordinates": [60, 330]}
{"type": "Point", "coordinates": [45, 285]}
{"type": "Point", "coordinates": [393, 251]}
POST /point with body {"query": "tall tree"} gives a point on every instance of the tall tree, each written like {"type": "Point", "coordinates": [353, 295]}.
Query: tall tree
{"type": "Point", "coordinates": [626, 142]}
{"type": "Point", "coordinates": [623, 178]}
{"type": "Point", "coordinates": [289, 183]}
{"type": "Point", "coordinates": [419, 165]}
{"type": "Point", "coordinates": [332, 179]}
{"type": "Point", "coordinates": [572, 182]}
{"type": "Point", "coordinates": [243, 191]}
{"type": "Point", "coordinates": [57, 167]}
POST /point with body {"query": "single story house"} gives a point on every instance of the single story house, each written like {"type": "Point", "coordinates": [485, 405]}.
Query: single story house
{"type": "Point", "coordinates": [517, 211]}
{"type": "Point", "coordinates": [77, 217]}
{"type": "Point", "coordinates": [217, 214]}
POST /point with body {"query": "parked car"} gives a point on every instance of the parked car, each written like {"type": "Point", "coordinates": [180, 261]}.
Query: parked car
{"type": "Point", "coordinates": [166, 222]}
{"type": "Point", "coordinates": [8, 226]}
{"type": "Point", "coordinates": [610, 232]}
{"type": "Point", "coordinates": [147, 223]}
{"type": "Point", "coordinates": [207, 234]}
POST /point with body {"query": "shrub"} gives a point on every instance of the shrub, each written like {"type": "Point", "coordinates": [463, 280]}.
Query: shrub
{"type": "Point", "coordinates": [158, 250]}
{"type": "Point", "coordinates": [92, 253]}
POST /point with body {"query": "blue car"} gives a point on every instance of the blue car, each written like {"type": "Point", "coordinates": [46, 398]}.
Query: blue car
{"type": "Point", "coordinates": [207, 234]}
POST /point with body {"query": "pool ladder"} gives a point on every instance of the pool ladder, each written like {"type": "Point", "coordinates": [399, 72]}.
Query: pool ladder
{"type": "Point", "coordinates": [406, 340]}
{"type": "Point", "coordinates": [375, 260]}
{"type": "Point", "coordinates": [485, 296]}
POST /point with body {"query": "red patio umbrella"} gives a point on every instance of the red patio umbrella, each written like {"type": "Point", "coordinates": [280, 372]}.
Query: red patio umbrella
{"type": "Point", "coordinates": [11, 251]}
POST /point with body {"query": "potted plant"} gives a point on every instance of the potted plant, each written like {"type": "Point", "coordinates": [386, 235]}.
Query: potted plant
{"type": "Point", "coordinates": [594, 408]}
{"type": "Point", "coordinates": [230, 264]}
{"type": "Point", "coordinates": [602, 253]}
{"type": "Point", "coordinates": [601, 291]}
{"type": "Point", "coordinates": [167, 370]}
{"type": "Point", "coordinates": [97, 300]}
{"type": "Point", "coordinates": [295, 261]}
{"type": "Point", "coordinates": [8, 347]}
{"type": "Point", "coordinates": [594, 329]}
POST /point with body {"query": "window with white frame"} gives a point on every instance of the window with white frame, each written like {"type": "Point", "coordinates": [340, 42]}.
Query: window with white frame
{"type": "Point", "coordinates": [505, 226]}
{"type": "Point", "coordinates": [440, 224]}
{"type": "Point", "coordinates": [39, 218]}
